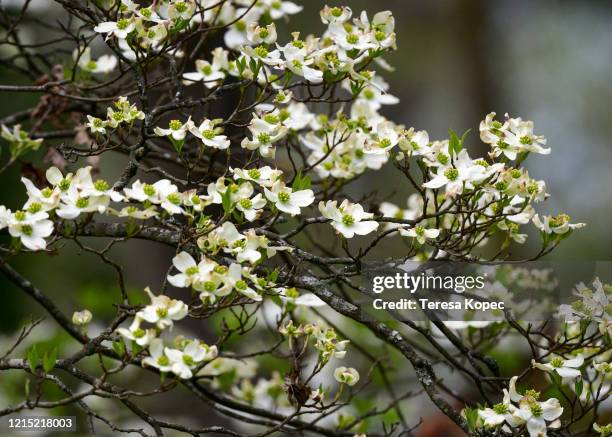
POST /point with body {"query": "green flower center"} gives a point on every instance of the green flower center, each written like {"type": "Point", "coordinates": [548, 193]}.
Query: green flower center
{"type": "Point", "coordinates": [82, 202]}
{"type": "Point", "coordinates": [238, 243]}
{"type": "Point", "coordinates": [187, 359]}
{"type": "Point", "coordinates": [532, 394]}
{"type": "Point", "coordinates": [526, 140]}
{"type": "Point", "coordinates": [64, 184]}
{"type": "Point", "coordinates": [34, 208]}
{"type": "Point", "coordinates": [442, 159]}
{"type": "Point", "coordinates": [532, 187]}
{"type": "Point", "coordinates": [20, 215]}
{"type": "Point", "coordinates": [181, 7]}
{"type": "Point", "coordinates": [123, 24]}
{"type": "Point", "coordinates": [246, 203]}
{"type": "Point", "coordinates": [207, 70]}
{"type": "Point", "coordinates": [560, 220]}
{"type": "Point", "coordinates": [264, 33]}
{"type": "Point", "coordinates": [535, 409]}
{"type": "Point", "coordinates": [516, 173]}
{"type": "Point", "coordinates": [254, 173]}
{"type": "Point", "coordinates": [420, 231]}
{"type": "Point", "coordinates": [26, 230]}
{"type": "Point", "coordinates": [348, 220]}
{"type": "Point", "coordinates": [385, 142]}
{"type": "Point", "coordinates": [501, 185]}
{"type": "Point", "coordinates": [210, 286]}
{"type": "Point", "coordinates": [557, 362]}
{"type": "Point", "coordinates": [101, 185]}
{"type": "Point", "coordinates": [175, 124]}
{"type": "Point", "coordinates": [500, 408]}
{"type": "Point", "coordinates": [284, 197]}
{"type": "Point", "coordinates": [161, 312]}
{"type": "Point", "coordinates": [148, 189]}
{"type": "Point", "coordinates": [292, 292]}
{"type": "Point", "coordinates": [220, 270]}
{"type": "Point", "coordinates": [263, 138]}
{"type": "Point", "coordinates": [47, 192]}
{"type": "Point", "coordinates": [271, 118]}
{"type": "Point", "coordinates": [368, 94]}
{"type": "Point", "coordinates": [351, 38]}
{"type": "Point", "coordinates": [497, 208]}
{"type": "Point", "coordinates": [91, 65]}
{"type": "Point", "coordinates": [209, 134]}
{"type": "Point", "coordinates": [241, 285]}
{"type": "Point", "coordinates": [138, 333]}
{"type": "Point", "coordinates": [451, 174]}
{"type": "Point", "coordinates": [163, 361]}
{"type": "Point", "coordinates": [261, 51]}
{"type": "Point", "coordinates": [191, 271]}
{"type": "Point", "coordinates": [174, 198]}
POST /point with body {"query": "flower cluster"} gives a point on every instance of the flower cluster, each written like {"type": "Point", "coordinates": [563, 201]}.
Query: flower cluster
{"type": "Point", "coordinates": [525, 410]}
{"type": "Point", "coordinates": [593, 306]}
{"type": "Point", "coordinates": [213, 280]}
{"type": "Point", "coordinates": [185, 356]}
{"type": "Point", "coordinates": [144, 29]}
{"type": "Point", "coordinates": [328, 346]}
{"type": "Point", "coordinates": [71, 195]}
{"type": "Point", "coordinates": [207, 132]}
{"type": "Point", "coordinates": [124, 113]}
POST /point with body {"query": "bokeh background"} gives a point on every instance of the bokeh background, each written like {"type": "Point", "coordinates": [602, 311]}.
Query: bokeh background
{"type": "Point", "coordinates": [546, 60]}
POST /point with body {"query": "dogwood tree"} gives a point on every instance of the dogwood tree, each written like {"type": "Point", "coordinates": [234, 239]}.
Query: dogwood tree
{"type": "Point", "coordinates": [239, 145]}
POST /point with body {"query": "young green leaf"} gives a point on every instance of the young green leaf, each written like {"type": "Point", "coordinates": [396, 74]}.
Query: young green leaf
{"type": "Point", "coordinates": [49, 360]}
{"type": "Point", "coordinates": [301, 182]}
{"type": "Point", "coordinates": [33, 358]}
{"type": "Point", "coordinates": [119, 347]}
{"type": "Point", "coordinates": [226, 201]}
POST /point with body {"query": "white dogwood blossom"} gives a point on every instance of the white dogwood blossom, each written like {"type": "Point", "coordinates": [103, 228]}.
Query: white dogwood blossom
{"type": "Point", "coordinates": [210, 135]}
{"type": "Point", "coordinates": [346, 375]}
{"type": "Point", "coordinates": [182, 362]}
{"type": "Point", "coordinates": [140, 336]}
{"type": "Point", "coordinates": [162, 311]}
{"type": "Point", "coordinates": [103, 65]}
{"type": "Point", "coordinates": [211, 74]}
{"type": "Point", "coordinates": [565, 368]}
{"type": "Point", "coordinates": [420, 233]}
{"type": "Point", "coordinates": [287, 200]}
{"type": "Point", "coordinates": [349, 218]}
{"type": "Point", "coordinates": [30, 228]}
